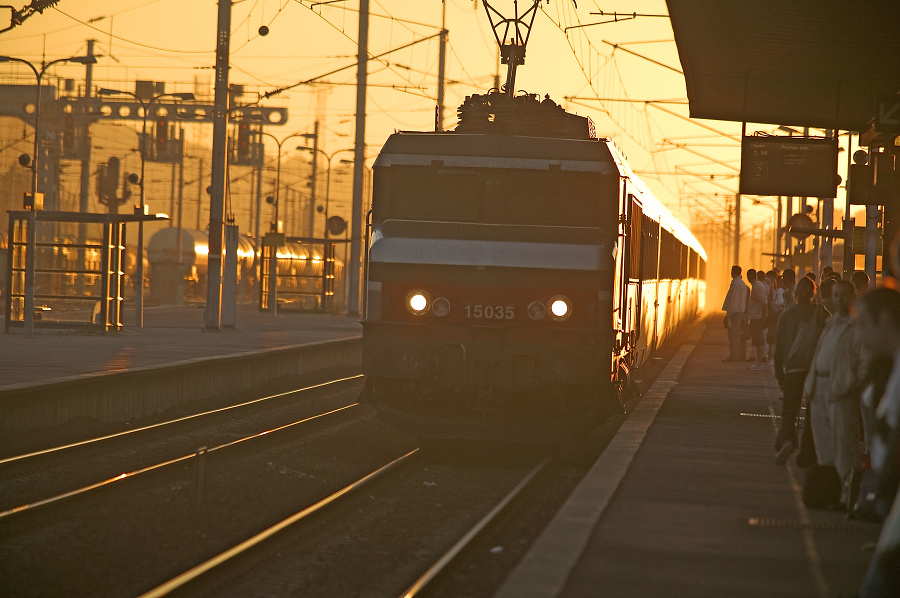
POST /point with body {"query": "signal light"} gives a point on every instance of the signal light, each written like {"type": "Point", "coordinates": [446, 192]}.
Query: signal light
{"type": "Point", "coordinates": [162, 131]}
{"type": "Point", "coordinates": [69, 134]}
{"type": "Point", "coordinates": [243, 140]}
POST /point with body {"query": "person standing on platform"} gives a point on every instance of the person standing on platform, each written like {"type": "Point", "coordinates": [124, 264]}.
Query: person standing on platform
{"type": "Point", "coordinates": [745, 324]}
{"type": "Point", "coordinates": [795, 343]}
{"type": "Point", "coordinates": [757, 311]}
{"type": "Point", "coordinates": [735, 305]}
{"type": "Point", "coordinates": [833, 388]}
{"type": "Point", "coordinates": [860, 281]}
{"type": "Point", "coordinates": [879, 328]}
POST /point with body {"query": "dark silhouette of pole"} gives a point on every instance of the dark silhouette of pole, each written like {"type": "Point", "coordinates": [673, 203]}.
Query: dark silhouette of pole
{"type": "Point", "coordinates": [362, 63]}
{"type": "Point", "coordinates": [219, 168]}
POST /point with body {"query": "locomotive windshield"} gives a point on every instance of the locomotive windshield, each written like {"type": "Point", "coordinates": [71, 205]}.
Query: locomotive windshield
{"type": "Point", "coordinates": [494, 196]}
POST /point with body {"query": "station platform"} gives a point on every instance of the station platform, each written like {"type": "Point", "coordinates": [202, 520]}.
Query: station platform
{"type": "Point", "coordinates": [688, 501]}
{"type": "Point", "coordinates": [169, 335]}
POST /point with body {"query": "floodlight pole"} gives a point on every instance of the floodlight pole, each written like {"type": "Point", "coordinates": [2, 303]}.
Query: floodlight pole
{"type": "Point", "coordinates": [328, 158]}
{"type": "Point", "coordinates": [273, 267]}
{"type": "Point", "coordinates": [139, 265]}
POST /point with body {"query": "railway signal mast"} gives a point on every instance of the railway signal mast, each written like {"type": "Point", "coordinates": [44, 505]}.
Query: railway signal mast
{"type": "Point", "coordinates": [515, 37]}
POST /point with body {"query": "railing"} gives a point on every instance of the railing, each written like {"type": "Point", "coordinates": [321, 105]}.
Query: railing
{"type": "Point", "coordinates": [75, 284]}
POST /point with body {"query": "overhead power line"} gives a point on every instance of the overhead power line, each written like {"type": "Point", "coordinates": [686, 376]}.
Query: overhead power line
{"type": "Point", "coordinates": [274, 92]}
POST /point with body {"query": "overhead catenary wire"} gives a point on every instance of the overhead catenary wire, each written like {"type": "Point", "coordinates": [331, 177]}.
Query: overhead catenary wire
{"type": "Point", "coordinates": [128, 41]}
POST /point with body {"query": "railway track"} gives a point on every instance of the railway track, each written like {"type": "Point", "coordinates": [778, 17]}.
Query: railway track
{"type": "Point", "coordinates": [392, 538]}
{"type": "Point", "coordinates": [283, 559]}
{"type": "Point", "coordinates": [38, 478]}
{"type": "Point", "coordinates": [128, 536]}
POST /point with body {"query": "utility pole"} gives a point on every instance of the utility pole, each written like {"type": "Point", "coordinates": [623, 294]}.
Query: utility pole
{"type": "Point", "coordinates": [312, 181]}
{"type": "Point", "coordinates": [778, 226]}
{"type": "Point", "coordinates": [442, 60]}
{"type": "Point", "coordinates": [258, 224]}
{"type": "Point", "coordinates": [359, 158]}
{"type": "Point", "coordinates": [199, 192]}
{"type": "Point", "coordinates": [737, 228]}
{"type": "Point", "coordinates": [172, 193]}
{"type": "Point", "coordinates": [217, 186]}
{"type": "Point", "coordinates": [84, 130]}
{"type": "Point", "coordinates": [179, 243]}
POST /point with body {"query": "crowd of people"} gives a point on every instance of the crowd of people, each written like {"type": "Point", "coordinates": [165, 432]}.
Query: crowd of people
{"type": "Point", "coordinates": [834, 345]}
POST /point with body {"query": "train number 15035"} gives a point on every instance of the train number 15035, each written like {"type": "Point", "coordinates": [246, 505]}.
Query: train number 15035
{"type": "Point", "coordinates": [490, 312]}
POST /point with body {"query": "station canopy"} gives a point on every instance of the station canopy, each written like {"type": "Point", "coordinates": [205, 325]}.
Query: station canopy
{"type": "Point", "coordinates": [790, 62]}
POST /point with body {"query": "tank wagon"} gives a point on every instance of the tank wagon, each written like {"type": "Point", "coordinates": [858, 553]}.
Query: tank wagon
{"type": "Point", "coordinates": [300, 265]}
{"type": "Point", "coordinates": [517, 273]}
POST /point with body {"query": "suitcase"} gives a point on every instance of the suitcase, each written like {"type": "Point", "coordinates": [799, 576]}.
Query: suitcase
{"type": "Point", "coordinates": [821, 487]}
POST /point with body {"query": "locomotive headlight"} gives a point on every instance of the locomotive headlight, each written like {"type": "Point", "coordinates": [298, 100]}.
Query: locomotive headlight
{"type": "Point", "coordinates": [560, 308]}
{"type": "Point", "coordinates": [417, 302]}
{"type": "Point", "coordinates": [441, 307]}
{"type": "Point", "coordinates": [536, 310]}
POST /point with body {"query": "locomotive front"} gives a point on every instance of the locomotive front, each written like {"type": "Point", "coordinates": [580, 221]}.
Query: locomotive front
{"type": "Point", "coordinates": [489, 286]}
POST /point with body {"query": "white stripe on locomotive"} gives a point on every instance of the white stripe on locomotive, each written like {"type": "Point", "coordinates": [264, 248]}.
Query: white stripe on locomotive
{"type": "Point", "coordinates": [460, 252]}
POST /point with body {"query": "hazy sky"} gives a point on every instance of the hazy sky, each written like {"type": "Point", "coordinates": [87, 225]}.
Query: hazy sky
{"type": "Point", "coordinates": [174, 41]}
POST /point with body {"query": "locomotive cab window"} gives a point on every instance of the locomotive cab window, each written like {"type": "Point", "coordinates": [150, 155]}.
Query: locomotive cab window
{"type": "Point", "coordinates": [434, 193]}
{"type": "Point", "coordinates": [556, 198]}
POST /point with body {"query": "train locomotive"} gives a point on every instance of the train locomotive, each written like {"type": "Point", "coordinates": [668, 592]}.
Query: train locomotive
{"type": "Point", "coordinates": [517, 273]}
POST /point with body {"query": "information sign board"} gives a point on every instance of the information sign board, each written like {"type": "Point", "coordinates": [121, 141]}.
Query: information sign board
{"type": "Point", "coordinates": [791, 166]}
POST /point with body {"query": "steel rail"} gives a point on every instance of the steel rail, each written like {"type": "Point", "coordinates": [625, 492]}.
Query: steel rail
{"type": "Point", "coordinates": [463, 542]}
{"type": "Point", "coordinates": [133, 474]}
{"type": "Point", "coordinates": [170, 422]}
{"type": "Point", "coordinates": [191, 574]}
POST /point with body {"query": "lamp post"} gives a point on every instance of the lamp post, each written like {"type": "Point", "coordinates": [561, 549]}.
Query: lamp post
{"type": "Point", "coordinates": [775, 243]}
{"type": "Point", "coordinates": [139, 267]}
{"type": "Point", "coordinates": [279, 143]}
{"type": "Point", "coordinates": [31, 237]}
{"type": "Point", "coordinates": [325, 231]}
{"type": "Point", "coordinates": [273, 266]}
{"type": "Point", "coordinates": [328, 158]}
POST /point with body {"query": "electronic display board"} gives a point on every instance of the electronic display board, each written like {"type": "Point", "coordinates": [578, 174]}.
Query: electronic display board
{"type": "Point", "coordinates": [792, 166]}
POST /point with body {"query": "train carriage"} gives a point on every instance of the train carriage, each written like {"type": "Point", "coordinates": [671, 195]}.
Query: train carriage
{"type": "Point", "coordinates": [517, 272]}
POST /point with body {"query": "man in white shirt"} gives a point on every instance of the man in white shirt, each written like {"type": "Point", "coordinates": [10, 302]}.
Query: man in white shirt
{"type": "Point", "coordinates": [757, 311]}
{"type": "Point", "coordinates": [735, 305]}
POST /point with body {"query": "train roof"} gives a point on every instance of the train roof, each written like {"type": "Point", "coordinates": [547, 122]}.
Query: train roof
{"type": "Point", "coordinates": [427, 147]}
{"type": "Point", "coordinates": [653, 207]}
{"type": "Point", "coordinates": [501, 146]}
